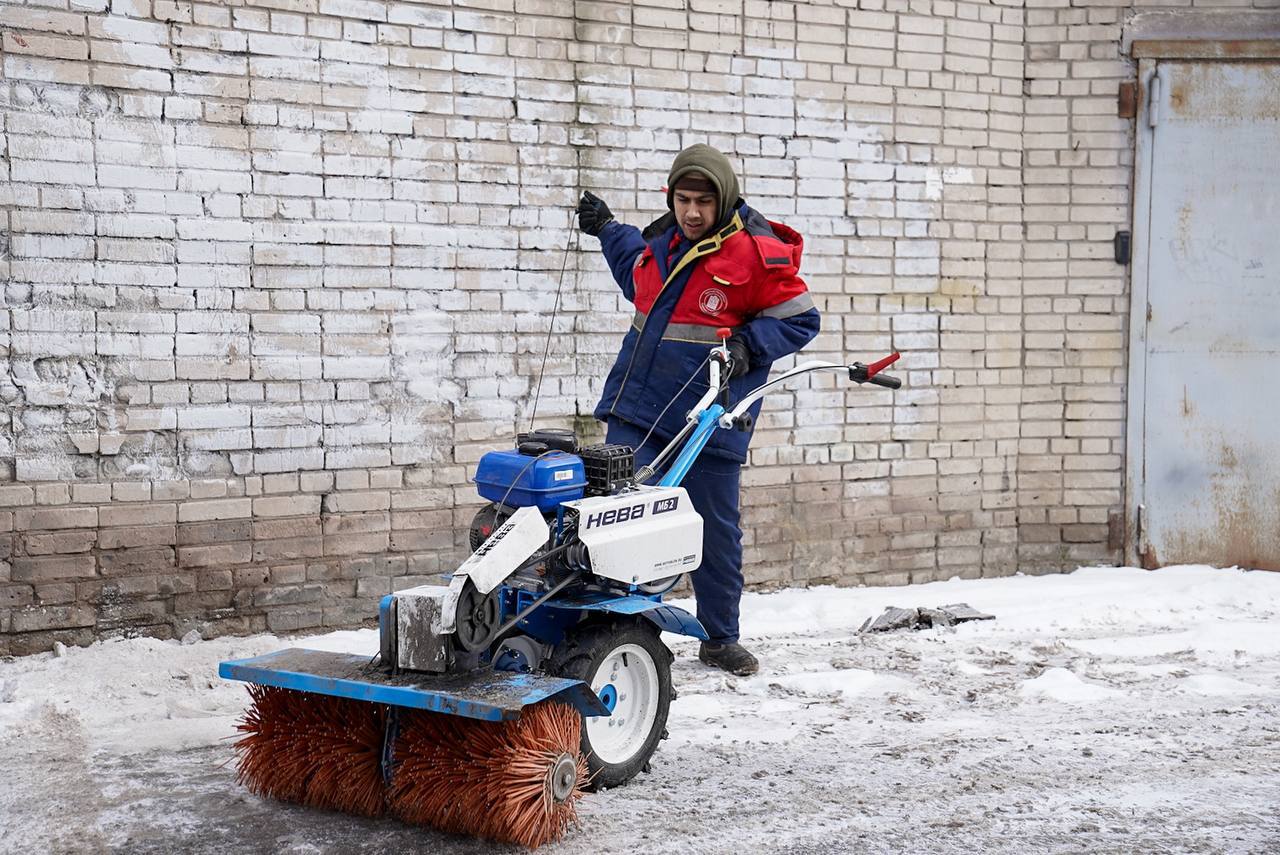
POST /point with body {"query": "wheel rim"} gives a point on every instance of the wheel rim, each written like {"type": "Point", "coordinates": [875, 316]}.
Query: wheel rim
{"type": "Point", "coordinates": [628, 678]}
{"type": "Point", "coordinates": [660, 586]}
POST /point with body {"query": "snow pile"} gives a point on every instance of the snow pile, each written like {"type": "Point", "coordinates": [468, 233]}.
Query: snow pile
{"type": "Point", "coordinates": [142, 694]}
{"type": "Point", "coordinates": [1059, 684]}
{"type": "Point", "coordinates": [1111, 708]}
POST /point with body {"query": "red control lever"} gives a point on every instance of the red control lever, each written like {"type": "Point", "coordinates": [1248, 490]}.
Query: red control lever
{"type": "Point", "coordinates": [881, 364]}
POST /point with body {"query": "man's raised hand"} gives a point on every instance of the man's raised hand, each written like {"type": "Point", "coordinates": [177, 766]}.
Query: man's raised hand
{"type": "Point", "coordinates": [593, 214]}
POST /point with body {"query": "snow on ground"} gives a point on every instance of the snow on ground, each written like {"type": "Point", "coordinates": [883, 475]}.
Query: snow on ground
{"type": "Point", "coordinates": [1109, 710]}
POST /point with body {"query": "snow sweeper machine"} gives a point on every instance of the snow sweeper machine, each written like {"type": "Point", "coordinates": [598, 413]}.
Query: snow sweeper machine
{"type": "Point", "coordinates": [538, 672]}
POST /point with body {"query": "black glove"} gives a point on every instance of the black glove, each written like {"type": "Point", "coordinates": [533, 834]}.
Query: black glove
{"type": "Point", "coordinates": [593, 214]}
{"type": "Point", "coordinates": [739, 355]}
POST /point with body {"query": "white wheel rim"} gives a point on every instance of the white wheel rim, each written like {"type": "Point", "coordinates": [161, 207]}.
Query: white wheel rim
{"type": "Point", "coordinates": [628, 673]}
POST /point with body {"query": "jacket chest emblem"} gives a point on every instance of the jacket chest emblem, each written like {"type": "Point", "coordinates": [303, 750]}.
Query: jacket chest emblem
{"type": "Point", "coordinates": [713, 301]}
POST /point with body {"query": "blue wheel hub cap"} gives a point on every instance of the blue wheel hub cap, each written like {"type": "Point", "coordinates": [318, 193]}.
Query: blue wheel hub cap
{"type": "Point", "coordinates": [609, 697]}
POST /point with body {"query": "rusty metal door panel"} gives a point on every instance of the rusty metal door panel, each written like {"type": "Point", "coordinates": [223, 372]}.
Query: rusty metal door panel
{"type": "Point", "coordinates": [1204, 461]}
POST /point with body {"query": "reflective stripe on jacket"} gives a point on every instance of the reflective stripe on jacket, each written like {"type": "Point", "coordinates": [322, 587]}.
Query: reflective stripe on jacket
{"type": "Point", "coordinates": [743, 276]}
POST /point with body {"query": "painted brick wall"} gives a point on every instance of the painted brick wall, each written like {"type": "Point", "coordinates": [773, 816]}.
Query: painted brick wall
{"type": "Point", "coordinates": [276, 274]}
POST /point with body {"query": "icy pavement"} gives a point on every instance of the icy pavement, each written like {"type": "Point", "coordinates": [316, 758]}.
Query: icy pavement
{"type": "Point", "coordinates": [1109, 710]}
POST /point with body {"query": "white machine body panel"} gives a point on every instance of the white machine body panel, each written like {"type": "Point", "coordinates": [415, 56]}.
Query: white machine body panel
{"type": "Point", "coordinates": [637, 537]}
{"type": "Point", "coordinates": [510, 545]}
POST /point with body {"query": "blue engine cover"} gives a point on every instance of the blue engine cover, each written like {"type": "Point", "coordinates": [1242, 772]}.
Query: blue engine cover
{"type": "Point", "coordinates": [518, 480]}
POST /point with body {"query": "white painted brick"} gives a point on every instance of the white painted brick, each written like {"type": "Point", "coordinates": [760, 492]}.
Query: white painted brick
{"type": "Point", "coordinates": [213, 417]}
{"type": "Point", "coordinates": [217, 509]}
{"type": "Point", "coordinates": [328, 238]}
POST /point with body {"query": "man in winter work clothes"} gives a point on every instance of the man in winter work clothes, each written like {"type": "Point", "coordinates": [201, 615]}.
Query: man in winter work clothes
{"type": "Point", "coordinates": [709, 262]}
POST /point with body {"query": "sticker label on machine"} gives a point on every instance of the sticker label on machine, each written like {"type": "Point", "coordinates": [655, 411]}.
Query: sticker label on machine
{"type": "Point", "coordinates": [678, 565]}
{"type": "Point", "coordinates": [515, 540]}
{"type": "Point", "coordinates": [632, 512]}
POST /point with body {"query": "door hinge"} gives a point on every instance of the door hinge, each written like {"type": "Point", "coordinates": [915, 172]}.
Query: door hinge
{"type": "Point", "coordinates": [1153, 99]}
{"type": "Point", "coordinates": [1140, 524]}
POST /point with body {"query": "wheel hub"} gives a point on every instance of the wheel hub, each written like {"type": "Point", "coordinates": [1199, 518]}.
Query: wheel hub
{"type": "Point", "coordinates": [478, 618]}
{"type": "Point", "coordinates": [563, 778]}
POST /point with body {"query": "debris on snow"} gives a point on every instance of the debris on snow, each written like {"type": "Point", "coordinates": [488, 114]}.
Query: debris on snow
{"type": "Point", "coordinates": [192, 637]}
{"type": "Point", "coordinates": [893, 618]}
{"type": "Point", "coordinates": [923, 618]}
{"type": "Point", "coordinates": [961, 612]}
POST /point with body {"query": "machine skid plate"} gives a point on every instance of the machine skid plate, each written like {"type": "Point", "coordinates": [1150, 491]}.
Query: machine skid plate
{"type": "Point", "coordinates": [485, 694]}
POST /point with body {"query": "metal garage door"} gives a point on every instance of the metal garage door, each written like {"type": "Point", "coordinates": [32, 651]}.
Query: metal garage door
{"type": "Point", "coordinates": [1204, 412]}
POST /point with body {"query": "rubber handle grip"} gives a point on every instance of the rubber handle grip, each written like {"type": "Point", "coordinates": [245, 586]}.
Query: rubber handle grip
{"type": "Point", "coordinates": [860, 373]}
{"type": "Point", "coordinates": [886, 381]}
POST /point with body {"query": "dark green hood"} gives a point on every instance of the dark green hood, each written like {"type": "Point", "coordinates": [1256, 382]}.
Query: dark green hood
{"type": "Point", "coordinates": [711, 163]}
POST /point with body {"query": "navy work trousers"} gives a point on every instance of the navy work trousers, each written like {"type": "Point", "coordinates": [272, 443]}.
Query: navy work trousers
{"type": "Point", "coordinates": [712, 483]}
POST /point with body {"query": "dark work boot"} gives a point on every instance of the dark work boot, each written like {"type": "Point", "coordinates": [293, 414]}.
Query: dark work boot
{"type": "Point", "coordinates": [733, 658]}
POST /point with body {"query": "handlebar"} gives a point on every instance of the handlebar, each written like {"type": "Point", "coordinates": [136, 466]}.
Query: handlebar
{"type": "Point", "coordinates": [858, 372]}
{"type": "Point", "coordinates": [737, 417]}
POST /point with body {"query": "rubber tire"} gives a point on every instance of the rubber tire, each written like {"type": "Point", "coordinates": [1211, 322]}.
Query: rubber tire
{"type": "Point", "coordinates": [578, 657]}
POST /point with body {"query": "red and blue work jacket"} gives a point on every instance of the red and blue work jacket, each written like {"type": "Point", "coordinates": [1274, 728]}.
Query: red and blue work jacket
{"type": "Point", "coordinates": [743, 275]}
